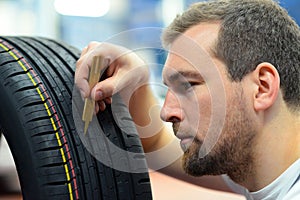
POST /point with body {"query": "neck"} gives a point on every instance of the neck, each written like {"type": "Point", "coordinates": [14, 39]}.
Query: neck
{"type": "Point", "coordinates": [277, 148]}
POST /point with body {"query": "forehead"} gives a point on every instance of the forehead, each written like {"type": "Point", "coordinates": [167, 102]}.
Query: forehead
{"type": "Point", "coordinates": [193, 50]}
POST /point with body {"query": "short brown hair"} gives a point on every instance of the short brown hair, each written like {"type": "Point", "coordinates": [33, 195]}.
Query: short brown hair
{"type": "Point", "coordinates": [251, 32]}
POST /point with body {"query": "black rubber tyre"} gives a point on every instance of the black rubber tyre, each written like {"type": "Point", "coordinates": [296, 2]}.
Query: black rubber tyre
{"type": "Point", "coordinates": [36, 86]}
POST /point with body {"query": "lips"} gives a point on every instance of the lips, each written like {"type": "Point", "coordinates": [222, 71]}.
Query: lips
{"type": "Point", "coordinates": [185, 139]}
{"type": "Point", "coordinates": [180, 133]}
{"type": "Point", "coordinates": [186, 143]}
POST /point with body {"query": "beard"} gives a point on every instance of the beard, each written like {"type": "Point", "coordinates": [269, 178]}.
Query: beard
{"type": "Point", "coordinates": [233, 152]}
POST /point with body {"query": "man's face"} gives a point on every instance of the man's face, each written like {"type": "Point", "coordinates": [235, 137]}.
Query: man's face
{"type": "Point", "coordinates": [210, 114]}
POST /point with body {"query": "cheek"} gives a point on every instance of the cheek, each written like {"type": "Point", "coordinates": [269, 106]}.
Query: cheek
{"type": "Point", "coordinates": [198, 112]}
{"type": "Point", "coordinates": [205, 116]}
{"type": "Point", "coordinates": [205, 108]}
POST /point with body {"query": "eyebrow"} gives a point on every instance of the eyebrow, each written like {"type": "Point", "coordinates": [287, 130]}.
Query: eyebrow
{"type": "Point", "coordinates": [183, 74]}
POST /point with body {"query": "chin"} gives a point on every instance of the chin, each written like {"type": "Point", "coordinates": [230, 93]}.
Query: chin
{"type": "Point", "coordinates": [195, 165]}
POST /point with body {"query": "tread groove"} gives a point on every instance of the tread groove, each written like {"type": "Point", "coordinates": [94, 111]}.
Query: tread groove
{"type": "Point", "coordinates": [30, 104]}
{"type": "Point", "coordinates": [40, 118]}
{"type": "Point", "coordinates": [11, 61]}
{"type": "Point", "coordinates": [58, 166]}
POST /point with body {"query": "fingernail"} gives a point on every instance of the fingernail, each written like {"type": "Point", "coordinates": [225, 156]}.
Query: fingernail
{"type": "Point", "coordinates": [99, 95]}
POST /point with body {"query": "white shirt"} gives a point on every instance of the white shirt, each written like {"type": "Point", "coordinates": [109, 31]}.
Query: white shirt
{"type": "Point", "coordinates": [285, 187]}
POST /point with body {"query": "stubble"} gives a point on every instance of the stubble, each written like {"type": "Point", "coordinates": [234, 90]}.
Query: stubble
{"type": "Point", "coordinates": [233, 152]}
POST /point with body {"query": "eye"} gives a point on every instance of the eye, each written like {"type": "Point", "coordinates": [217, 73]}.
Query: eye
{"type": "Point", "coordinates": [186, 85]}
{"type": "Point", "coordinates": [183, 87]}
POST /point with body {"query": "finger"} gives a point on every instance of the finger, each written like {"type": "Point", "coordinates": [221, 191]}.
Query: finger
{"type": "Point", "coordinates": [108, 100]}
{"type": "Point", "coordinates": [84, 51]}
{"type": "Point", "coordinates": [96, 107]}
{"type": "Point", "coordinates": [84, 63]}
{"type": "Point", "coordinates": [102, 105]}
{"type": "Point", "coordinates": [82, 72]}
{"type": "Point", "coordinates": [104, 89]}
{"type": "Point", "coordinates": [91, 46]}
{"type": "Point", "coordinates": [88, 49]}
{"type": "Point", "coordinates": [111, 69]}
{"type": "Point", "coordinates": [83, 66]}
{"type": "Point", "coordinates": [122, 79]}
{"type": "Point", "coordinates": [81, 80]}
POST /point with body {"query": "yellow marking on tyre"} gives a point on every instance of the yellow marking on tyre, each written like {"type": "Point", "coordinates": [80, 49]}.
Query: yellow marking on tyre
{"type": "Point", "coordinates": [51, 119]}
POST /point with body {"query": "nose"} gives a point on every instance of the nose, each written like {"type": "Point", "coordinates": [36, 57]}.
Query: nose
{"type": "Point", "coordinates": [171, 110]}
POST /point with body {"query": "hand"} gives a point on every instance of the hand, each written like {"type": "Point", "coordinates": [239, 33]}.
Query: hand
{"type": "Point", "coordinates": [126, 70]}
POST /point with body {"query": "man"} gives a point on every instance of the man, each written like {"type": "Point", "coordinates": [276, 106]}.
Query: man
{"type": "Point", "coordinates": [233, 76]}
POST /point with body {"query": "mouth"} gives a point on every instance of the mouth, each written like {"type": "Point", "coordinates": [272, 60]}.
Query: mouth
{"type": "Point", "coordinates": [185, 139]}
{"type": "Point", "coordinates": [186, 142]}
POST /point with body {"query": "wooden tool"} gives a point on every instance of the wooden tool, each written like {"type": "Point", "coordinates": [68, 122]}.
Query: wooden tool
{"type": "Point", "coordinates": [89, 105]}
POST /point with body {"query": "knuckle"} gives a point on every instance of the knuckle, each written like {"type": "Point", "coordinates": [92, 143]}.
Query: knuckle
{"type": "Point", "coordinates": [92, 45]}
{"type": "Point", "coordinates": [78, 63]}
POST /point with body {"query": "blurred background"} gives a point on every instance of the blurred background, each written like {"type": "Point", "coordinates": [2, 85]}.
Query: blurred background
{"type": "Point", "coordinates": [77, 22]}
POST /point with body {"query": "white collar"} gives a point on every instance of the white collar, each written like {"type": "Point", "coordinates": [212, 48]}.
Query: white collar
{"type": "Point", "coordinates": [280, 186]}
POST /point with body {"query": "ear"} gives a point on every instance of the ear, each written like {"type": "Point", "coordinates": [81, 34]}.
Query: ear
{"type": "Point", "coordinates": [267, 81]}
